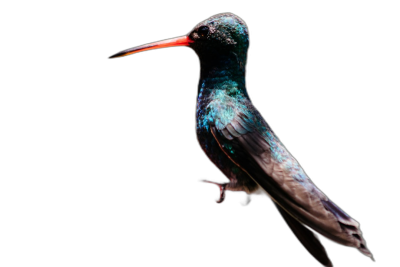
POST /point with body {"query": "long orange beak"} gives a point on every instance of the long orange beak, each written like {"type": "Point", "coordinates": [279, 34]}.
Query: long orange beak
{"type": "Point", "coordinates": [178, 41]}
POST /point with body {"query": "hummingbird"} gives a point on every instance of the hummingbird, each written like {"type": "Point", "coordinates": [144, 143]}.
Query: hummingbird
{"type": "Point", "coordinates": [237, 139]}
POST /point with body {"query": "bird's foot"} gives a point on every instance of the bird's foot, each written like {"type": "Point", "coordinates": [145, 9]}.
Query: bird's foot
{"type": "Point", "coordinates": [222, 188]}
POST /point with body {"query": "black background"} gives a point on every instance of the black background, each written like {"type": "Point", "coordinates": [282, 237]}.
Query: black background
{"type": "Point", "coordinates": [131, 163]}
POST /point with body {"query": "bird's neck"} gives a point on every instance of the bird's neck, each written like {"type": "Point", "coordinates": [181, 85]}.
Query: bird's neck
{"type": "Point", "coordinates": [223, 73]}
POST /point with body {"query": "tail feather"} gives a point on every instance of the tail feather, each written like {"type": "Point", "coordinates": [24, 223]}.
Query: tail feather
{"type": "Point", "coordinates": [309, 240]}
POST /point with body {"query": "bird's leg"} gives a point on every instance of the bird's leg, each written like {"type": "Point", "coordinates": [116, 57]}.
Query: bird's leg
{"type": "Point", "coordinates": [222, 188]}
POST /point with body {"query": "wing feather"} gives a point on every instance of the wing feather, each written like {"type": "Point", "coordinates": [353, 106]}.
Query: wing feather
{"type": "Point", "coordinates": [284, 179]}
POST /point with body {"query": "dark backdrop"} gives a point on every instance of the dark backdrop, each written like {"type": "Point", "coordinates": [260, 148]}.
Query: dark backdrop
{"type": "Point", "coordinates": [133, 161]}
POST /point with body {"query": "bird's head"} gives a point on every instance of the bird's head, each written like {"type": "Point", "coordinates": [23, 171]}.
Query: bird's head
{"type": "Point", "coordinates": [219, 35]}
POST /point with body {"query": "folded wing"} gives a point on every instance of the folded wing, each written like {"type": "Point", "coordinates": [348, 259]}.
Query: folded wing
{"type": "Point", "coordinates": [249, 142]}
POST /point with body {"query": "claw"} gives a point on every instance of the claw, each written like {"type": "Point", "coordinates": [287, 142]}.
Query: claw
{"type": "Point", "coordinates": [222, 188]}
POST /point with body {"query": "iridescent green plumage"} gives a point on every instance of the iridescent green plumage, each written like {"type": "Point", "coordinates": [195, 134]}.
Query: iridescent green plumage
{"type": "Point", "coordinates": [241, 144]}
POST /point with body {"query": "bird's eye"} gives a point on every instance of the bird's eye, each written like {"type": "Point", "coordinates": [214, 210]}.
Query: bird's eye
{"type": "Point", "coordinates": [203, 31]}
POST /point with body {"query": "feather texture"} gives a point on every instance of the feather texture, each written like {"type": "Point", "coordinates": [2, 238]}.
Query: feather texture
{"type": "Point", "coordinates": [266, 160]}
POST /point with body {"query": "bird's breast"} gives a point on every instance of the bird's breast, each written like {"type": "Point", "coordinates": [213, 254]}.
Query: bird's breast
{"type": "Point", "coordinates": [206, 117]}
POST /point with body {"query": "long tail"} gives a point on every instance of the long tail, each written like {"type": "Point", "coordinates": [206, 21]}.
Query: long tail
{"type": "Point", "coordinates": [309, 240]}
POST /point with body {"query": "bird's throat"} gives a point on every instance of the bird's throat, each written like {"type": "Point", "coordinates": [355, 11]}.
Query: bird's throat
{"type": "Point", "coordinates": [223, 73]}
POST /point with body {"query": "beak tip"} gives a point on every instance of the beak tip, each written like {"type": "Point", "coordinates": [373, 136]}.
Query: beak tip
{"type": "Point", "coordinates": [114, 56]}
